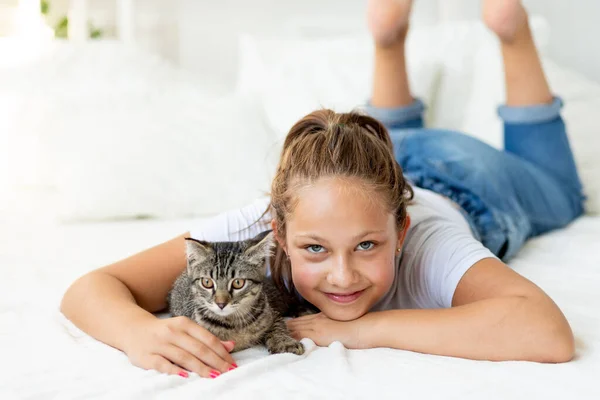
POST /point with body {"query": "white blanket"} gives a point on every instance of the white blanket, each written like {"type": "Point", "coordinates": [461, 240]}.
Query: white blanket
{"type": "Point", "coordinates": [44, 356]}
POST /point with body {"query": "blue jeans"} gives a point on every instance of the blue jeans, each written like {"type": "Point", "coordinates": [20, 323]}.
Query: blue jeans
{"type": "Point", "coordinates": [508, 196]}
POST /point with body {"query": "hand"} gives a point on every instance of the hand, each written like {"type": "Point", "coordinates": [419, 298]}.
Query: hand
{"type": "Point", "coordinates": [323, 330]}
{"type": "Point", "coordinates": [168, 345]}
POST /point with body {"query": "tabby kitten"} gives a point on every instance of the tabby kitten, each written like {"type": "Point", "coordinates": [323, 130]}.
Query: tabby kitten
{"type": "Point", "coordinates": [225, 290]}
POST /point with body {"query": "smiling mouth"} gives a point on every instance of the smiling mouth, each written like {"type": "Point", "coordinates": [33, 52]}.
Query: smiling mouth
{"type": "Point", "coordinates": [344, 298]}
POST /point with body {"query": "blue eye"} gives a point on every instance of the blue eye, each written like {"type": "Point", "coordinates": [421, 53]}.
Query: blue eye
{"type": "Point", "coordinates": [314, 248]}
{"type": "Point", "coordinates": [369, 245]}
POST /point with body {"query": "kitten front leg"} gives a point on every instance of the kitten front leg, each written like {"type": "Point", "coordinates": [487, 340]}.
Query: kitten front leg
{"type": "Point", "coordinates": [278, 340]}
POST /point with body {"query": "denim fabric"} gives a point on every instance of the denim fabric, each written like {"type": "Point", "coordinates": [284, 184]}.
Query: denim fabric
{"type": "Point", "coordinates": [508, 196]}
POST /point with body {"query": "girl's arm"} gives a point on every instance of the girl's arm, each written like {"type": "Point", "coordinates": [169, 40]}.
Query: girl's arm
{"type": "Point", "coordinates": [496, 315]}
{"type": "Point", "coordinates": [130, 290]}
{"type": "Point", "coordinates": [114, 305]}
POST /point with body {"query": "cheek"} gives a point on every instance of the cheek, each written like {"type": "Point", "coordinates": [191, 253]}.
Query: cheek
{"type": "Point", "coordinates": [382, 272]}
{"type": "Point", "coordinates": [202, 295]}
{"type": "Point", "coordinates": [305, 278]}
{"type": "Point", "coordinates": [243, 299]}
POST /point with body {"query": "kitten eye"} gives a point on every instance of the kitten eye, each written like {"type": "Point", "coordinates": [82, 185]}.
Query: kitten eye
{"type": "Point", "coordinates": [314, 248]}
{"type": "Point", "coordinates": [207, 283]}
{"type": "Point", "coordinates": [238, 283]}
{"type": "Point", "coordinates": [369, 245]}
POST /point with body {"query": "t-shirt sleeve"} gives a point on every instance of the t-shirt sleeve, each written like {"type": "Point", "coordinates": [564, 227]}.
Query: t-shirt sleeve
{"type": "Point", "coordinates": [441, 253]}
{"type": "Point", "coordinates": [234, 225]}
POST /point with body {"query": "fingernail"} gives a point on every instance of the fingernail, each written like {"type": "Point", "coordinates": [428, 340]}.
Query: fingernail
{"type": "Point", "coordinates": [234, 365]}
{"type": "Point", "coordinates": [183, 374]}
{"type": "Point", "coordinates": [214, 374]}
{"type": "Point", "coordinates": [231, 368]}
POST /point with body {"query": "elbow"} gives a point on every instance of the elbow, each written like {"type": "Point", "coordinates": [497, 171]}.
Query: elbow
{"type": "Point", "coordinates": [73, 295]}
{"type": "Point", "coordinates": [563, 351]}
{"type": "Point", "coordinates": [559, 345]}
{"type": "Point", "coordinates": [69, 298]}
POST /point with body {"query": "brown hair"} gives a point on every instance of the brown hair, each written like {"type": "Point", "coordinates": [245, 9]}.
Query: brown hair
{"type": "Point", "coordinates": [329, 144]}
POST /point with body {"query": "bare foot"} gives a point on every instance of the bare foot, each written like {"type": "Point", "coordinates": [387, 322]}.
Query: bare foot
{"type": "Point", "coordinates": [505, 17]}
{"type": "Point", "coordinates": [388, 20]}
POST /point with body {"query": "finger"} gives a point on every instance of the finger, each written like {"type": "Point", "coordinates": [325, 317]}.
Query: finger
{"type": "Point", "coordinates": [229, 345]}
{"type": "Point", "coordinates": [211, 341]}
{"type": "Point", "coordinates": [203, 352]}
{"type": "Point", "coordinates": [161, 364]}
{"type": "Point", "coordinates": [179, 356]}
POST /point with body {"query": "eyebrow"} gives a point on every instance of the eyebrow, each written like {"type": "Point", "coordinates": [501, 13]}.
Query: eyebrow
{"type": "Point", "coordinates": [320, 239]}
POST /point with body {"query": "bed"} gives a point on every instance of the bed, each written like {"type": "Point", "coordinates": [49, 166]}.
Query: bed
{"type": "Point", "coordinates": [45, 356]}
{"type": "Point", "coordinates": [62, 215]}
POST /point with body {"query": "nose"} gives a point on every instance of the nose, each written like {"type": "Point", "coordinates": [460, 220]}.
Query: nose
{"type": "Point", "coordinates": [341, 274]}
{"type": "Point", "coordinates": [221, 298]}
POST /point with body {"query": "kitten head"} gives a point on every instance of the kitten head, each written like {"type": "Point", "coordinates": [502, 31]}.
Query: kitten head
{"type": "Point", "coordinates": [226, 277]}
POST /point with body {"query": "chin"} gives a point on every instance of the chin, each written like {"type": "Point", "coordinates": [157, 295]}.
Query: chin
{"type": "Point", "coordinates": [344, 315]}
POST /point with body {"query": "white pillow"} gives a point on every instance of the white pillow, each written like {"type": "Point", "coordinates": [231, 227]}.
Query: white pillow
{"type": "Point", "coordinates": [160, 158]}
{"type": "Point", "coordinates": [296, 76]}
{"type": "Point", "coordinates": [124, 135]}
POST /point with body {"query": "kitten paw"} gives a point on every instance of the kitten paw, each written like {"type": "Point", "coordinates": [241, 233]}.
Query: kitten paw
{"type": "Point", "coordinates": [287, 346]}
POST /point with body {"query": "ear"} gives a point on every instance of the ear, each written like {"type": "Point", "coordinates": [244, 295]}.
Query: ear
{"type": "Point", "coordinates": [402, 233]}
{"type": "Point", "coordinates": [276, 235]}
{"type": "Point", "coordinates": [260, 247]}
{"type": "Point", "coordinates": [197, 251]}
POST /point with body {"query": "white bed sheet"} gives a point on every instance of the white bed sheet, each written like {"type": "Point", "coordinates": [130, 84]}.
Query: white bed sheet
{"type": "Point", "coordinates": [45, 356]}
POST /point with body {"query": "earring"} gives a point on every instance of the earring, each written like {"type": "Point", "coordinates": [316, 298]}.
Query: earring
{"type": "Point", "coordinates": [398, 250]}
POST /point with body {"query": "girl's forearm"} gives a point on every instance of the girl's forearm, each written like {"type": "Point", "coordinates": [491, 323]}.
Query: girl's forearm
{"type": "Point", "coordinates": [511, 328]}
{"type": "Point", "coordinates": [103, 307]}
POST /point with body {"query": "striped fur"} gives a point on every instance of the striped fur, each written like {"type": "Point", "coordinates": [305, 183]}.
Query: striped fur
{"type": "Point", "coordinates": [252, 315]}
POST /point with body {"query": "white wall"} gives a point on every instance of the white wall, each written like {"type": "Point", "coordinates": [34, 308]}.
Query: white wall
{"type": "Point", "coordinates": [575, 29]}
{"type": "Point", "coordinates": [192, 32]}
{"type": "Point", "coordinates": [575, 33]}
{"type": "Point", "coordinates": [209, 29]}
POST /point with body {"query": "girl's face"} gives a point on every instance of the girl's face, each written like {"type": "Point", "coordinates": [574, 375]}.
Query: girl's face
{"type": "Point", "coordinates": [342, 243]}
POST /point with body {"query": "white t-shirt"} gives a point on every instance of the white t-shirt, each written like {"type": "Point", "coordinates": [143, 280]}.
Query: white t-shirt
{"type": "Point", "coordinates": [439, 248]}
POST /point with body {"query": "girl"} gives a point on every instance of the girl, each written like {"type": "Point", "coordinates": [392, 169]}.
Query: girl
{"type": "Point", "coordinates": [388, 265]}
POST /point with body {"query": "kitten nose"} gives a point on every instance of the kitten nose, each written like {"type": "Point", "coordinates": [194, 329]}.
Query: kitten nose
{"type": "Point", "coordinates": [221, 305]}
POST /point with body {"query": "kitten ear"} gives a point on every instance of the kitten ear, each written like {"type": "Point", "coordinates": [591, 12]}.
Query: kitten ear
{"type": "Point", "coordinates": [260, 247]}
{"type": "Point", "coordinates": [197, 251]}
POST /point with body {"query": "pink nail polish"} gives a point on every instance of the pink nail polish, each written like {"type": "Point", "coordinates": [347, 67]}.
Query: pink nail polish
{"type": "Point", "coordinates": [231, 369]}
{"type": "Point", "coordinates": [183, 374]}
{"type": "Point", "coordinates": [214, 374]}
{"type": "Point", "coordinates": [234, 365]}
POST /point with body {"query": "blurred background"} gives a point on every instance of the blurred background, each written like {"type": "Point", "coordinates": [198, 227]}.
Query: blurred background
{"type": "Point", "coordinates": [188, 32]}
{"type": "Point", "coordinates": [124, 123]}
{"type": "Point", "coordinates": [130, 109]}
